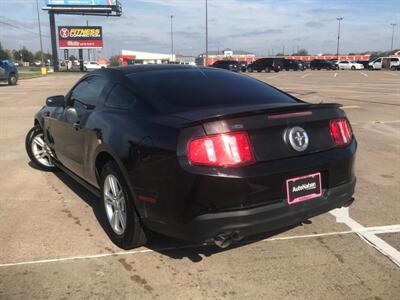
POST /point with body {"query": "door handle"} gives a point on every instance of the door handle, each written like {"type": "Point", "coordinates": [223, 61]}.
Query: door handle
{"type": "Point", "coordinates": [77, 126]}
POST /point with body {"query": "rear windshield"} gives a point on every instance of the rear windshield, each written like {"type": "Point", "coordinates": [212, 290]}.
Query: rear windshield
{"type": "Point", "coordinates": [175, 91]}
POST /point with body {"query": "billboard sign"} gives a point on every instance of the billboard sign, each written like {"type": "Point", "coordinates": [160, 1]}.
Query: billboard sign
{"type": "Point", "coordinates": [80, 37]}
{"type": "Point", "coordinates": [81, 2]}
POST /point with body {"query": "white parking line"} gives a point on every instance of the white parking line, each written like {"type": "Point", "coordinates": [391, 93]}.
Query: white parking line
{"type": "Point", "coordinates": [305, 75]}
{"type": "Point", "coordinates": [362, 73]}
{"type": "Point", "coordinates": [342, 216]}
{"type": "Point", "coordinates": [363, 230]}
{"type": "Point", "coordinates": [392, 74]}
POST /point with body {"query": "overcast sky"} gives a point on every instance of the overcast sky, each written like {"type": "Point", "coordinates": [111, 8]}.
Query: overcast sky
{"type": "Point", "coordinates": [259, 26]}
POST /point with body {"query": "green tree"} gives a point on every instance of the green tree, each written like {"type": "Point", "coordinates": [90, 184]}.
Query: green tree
{"type": "Point", "coordinates": [16, 55]}
{"type": "Point", "coordinates": [114, 61]}
{"type": "Point", "coordinates": [4, 54]}
{"type": "Point", "coordinates": [27, 56]}
{"type": "Point", "coordinates": [301, 52]}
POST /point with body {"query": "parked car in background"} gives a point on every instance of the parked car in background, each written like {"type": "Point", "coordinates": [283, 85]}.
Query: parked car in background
{"type": "Point", "coordinates": [349, 65]}
{"type": "Point", "coordinates": [364, 63]}
{"type": "Point", "coordinates": [166, 149]}
{"type": "Point", "coordinates": [8, 72]}
{"type": "Point", "coordinates": [394, 63]}
{"type": "Point", "coordinates": [384, 63]}
{"type": "Point", "coordinates": [266, 64]}
{"type": "Point", "coordinates": [318, 64]}
{"type": "Point", "coordinates": [291, 64]}
{"type": "Point", "coordinates": [231, 65]}
{"type": "Point", "coordinates": [376, 64]}
{"type": "Point", "coordinates": [93, 65]}
{"type": "Point", "coordinates": [306, 64]}
{"type": "Point", "coordinates": [243, 65]}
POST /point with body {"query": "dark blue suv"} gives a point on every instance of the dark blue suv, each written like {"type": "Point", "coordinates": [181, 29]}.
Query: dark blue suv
{"type": "Point", "coordinates": [8, 72]}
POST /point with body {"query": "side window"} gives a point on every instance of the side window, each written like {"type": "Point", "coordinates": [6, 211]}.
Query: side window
{"type": "Point", "coordinates": [120, 97]}
{"type": "Point", "coordinates": [87, 93]}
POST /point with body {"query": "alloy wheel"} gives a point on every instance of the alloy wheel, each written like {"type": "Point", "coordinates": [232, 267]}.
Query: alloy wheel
{"type": "Point", "coordinates": [114, 202]}
{"type": "Point", "coordinates": [41, 151]}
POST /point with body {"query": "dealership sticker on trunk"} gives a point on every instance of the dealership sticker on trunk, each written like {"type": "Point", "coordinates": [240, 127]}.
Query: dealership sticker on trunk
{"type": "Point", "coordinates": [303, 188]}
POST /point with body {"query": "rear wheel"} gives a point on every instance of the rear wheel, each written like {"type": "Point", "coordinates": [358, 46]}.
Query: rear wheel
{"type": "Point", "coordinates": [38, 151]}
{"type": "Point", "coordinates": [12, 79]}
{"type": "Point", "coordinates": [353, 67]}
{"type": "Point", "coordinates": [121, 219]}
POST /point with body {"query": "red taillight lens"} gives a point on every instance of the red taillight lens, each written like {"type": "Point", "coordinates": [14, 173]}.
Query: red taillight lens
{"type": "Point", "coordinates": [340, 132]}
{"type": "Point", "coordinates": [222, 150]}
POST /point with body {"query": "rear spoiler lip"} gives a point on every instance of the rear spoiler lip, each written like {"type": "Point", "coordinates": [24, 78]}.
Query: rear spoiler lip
{"type": "Point", "coordinates": [281, 109]}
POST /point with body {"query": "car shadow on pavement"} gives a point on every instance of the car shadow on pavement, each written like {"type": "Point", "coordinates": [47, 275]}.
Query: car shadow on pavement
{"type": "Point", "coordinates": [164, 245]}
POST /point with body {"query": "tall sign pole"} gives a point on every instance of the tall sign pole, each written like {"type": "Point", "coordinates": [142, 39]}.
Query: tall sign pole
{"type": "Point", "coordinates": [54, 55]}
{"type": "Point", "coordinates": [206, 63]}
{"type": "Point", "coordinates": [393, 26]}
{"type": "Point", "coordinates": [40, 32]}
{"type": "Point", "coordinates": [172, 40]}
{"type": "Point", "coordinates": [338, 37]}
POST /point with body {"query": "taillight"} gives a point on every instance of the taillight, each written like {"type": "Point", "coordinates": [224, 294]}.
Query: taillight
{"type": "Point", "coordinates": [340, 132]}
{"type": "Point", "coordinates": [222, 150]}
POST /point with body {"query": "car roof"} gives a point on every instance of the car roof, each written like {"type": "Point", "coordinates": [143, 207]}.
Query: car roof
{"type": "Point", "coordinates": [153, 67]}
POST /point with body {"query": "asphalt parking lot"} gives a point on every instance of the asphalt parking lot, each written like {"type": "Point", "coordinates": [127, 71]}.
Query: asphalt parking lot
{"type": "Point", "coordinates": [52, 245]}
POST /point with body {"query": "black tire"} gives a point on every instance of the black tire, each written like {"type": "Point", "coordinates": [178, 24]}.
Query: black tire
{"type": "Point", "coordinates": [312, 68]}
{"type": "Point", "coordinates": [353, 67]}
{"type": "Point", "coordinates": [12, 79]}
{"type": "Point", "coordinates": [31, 135]}
{"type": "Point", "coordinates": [134, 234]}
{"type": "Point", "coordinates": [287, 69]}
{"type": "Point", "coordinates": [393, 68]}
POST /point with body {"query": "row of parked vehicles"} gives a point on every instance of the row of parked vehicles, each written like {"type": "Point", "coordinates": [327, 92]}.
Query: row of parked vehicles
{"type": "Point", "coordinates": [279, 64]}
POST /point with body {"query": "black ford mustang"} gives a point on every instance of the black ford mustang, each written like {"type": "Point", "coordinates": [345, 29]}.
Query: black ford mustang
{"type": "Point", "coordinates": [201, 154]}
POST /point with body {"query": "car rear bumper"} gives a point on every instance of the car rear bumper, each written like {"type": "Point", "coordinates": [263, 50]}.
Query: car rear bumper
{"type": "Point", "coordinates": [252, 221]}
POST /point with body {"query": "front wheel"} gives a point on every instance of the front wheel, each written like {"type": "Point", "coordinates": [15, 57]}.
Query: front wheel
{"type": "Point", "coordinates": [122, 222]}
{"type": "Point", "coordinates": [353, 67]}
{"type": "Point", "coordinates": [393, 68]}
{"type": "Point", "coordinates": [12, 79]}
{"type": "Point", "coordinates": [38, 151]}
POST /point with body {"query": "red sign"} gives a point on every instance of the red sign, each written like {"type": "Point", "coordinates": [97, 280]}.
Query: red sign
{"type": "Point", "coordinates": [85, 37]}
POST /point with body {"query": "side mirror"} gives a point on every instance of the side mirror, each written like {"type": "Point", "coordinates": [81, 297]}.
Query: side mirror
{"type": "Point", "coordinates": [55, 101]}
{"type": "Point", "coordinates": [72, 115]}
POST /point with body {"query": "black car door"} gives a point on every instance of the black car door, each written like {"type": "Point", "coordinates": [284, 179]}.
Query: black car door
{"type": "Point", "coordinates": [71, 136]}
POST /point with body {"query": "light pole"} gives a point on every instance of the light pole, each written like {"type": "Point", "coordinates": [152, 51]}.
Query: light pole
{"type": "Point", "coordinates": [172, 40]}
{"type": "Point", "coordinates": [40, 31]}
{"type": "Point", "coordinates": [206, 62]}
{"type": "Point", "coordinates": [338, 37]}
{"type": "Point", "coordinates": [393, 26]}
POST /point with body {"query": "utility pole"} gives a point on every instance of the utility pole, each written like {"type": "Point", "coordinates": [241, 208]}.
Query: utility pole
{"type": "Point", "coordinates": [40, 31]}
{"type": "Point", "coordinates": [88, 50]}
{"type": "Point", "coordinates": [206, 63]}
{"type": "Point", "coordinates": [393, 26]}
{"type": "Point", "coordinates": [172, 41]}
{"type": "Point", "coordinates": [338, 37]}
